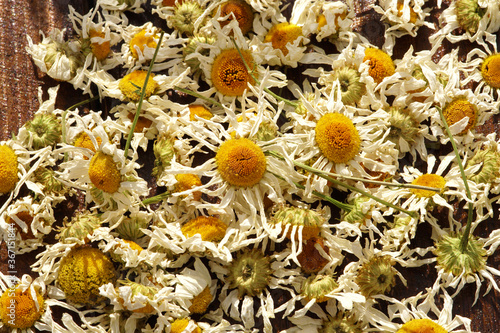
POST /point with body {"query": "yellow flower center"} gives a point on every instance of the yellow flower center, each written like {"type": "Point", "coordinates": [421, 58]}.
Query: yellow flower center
{"type": "Point", "coordinates": [18, 309]}
{"type": "Point", "coordinates": [430, 180]}
{"type": "Point", "coordinates": [133, 245]}
{"type": "Point", "coordinates": [490, 69]}
{"type": "Point", "coordinates": [142, 122]}
{"type": "Point", "coordinates": [8, 169]}
{"type": "Point", "coordinates": [100, 50]}
{"type": "Point", "coordinates": [381, 64]}
{"type": "Point", "coordinates": [131, 85]}
{"type": "Point", "coordinates": [200, 111]}
{"type": "Point", "coordinates": [179, 325]}
{"type": "Point", "coordinates": [281, 34]}
{"type": "Point", "coordinates": [141, 40]}
{"type": "Point", "coordinates": [229, 74]}
{"type": "Point", "coordinates": [459, 108]}
{"type": "Point", "coordinates": [83, 141]}
{"type": "Point", "coordinates": [186, 182]}
{"type": "Point", "coordinates": [201, 301]}
{"type": "Point", "coordinates": [210, 228]}
{"type": "Point", "coordinates": [413, 15]}
{"type": "Point", "coordinates": [241, 162]}
{"type": "Point", "coordinates": [104, 173]}
{"type": "Point", "coordinates": [337, 137]}
{"type": "Point", "coordinates": [421, 326]}
{"type": "Point", "coordinates": [242, 12]}
{"type": "Point", "coordinates": [82, 271]}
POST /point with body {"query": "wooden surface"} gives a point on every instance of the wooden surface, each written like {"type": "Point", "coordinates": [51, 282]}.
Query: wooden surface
{"type": "Point", "coordinates": [20, 79]}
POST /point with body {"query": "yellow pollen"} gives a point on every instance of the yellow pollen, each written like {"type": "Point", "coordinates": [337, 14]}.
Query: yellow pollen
{"type": "Point", "coordinates": [104, 173]}
{"type": "Point", "coordinates": [142, 122]}
{"type": "Point", "coordinates": [421, 326]}
{"type": "Point", "coordinates": [337, 137]}
{"type": "Point", "coordinates": [141, 41]}
{"type": "Point", "coordinates": [100, 50]}
{"type": "Point", "coordinates": [8, 169]}
{"type": "Point", "coordinates": [459, 108]}
{"type": "Point", "coordinates": [25, 312]}
{"type": "Point", "coordinates": [241, 162]}
{"type": "Point", "coordinates": [131, 85]}
{"type": "Point", "coordinates": [201, 301]}
{"type": "Point", "coordinates": [413, 15]}
{"type": "Point", "coordinates": [281, 34]}
{"type": "Point", "coordinates": [186, 182]}
{"type": "Point", "coordinates": [179, 325]}
{"type": "Point", "coordinates": [210, 228]}
{"type": "Point", "coordinates": [490, 69]}
{"type": "Point", "coordinates": [430, 180]}
{"type": "Point", "coordinates": [200, 111]}
{"type": "Point", "coordinates": [229, 74]}
{"type": "Point", "coordinates": [381, 64]}
{"type": "Point", "coordinates": [241, 11]}
{"type": "Point", "coordinates": [83, 141]}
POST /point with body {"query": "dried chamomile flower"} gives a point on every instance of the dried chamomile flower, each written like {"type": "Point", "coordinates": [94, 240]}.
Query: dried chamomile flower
{"type": "Point", "coordinates": [458, 109]}
{"type": "Point", "coordinates": [351, 87]}
{"type": "Point", "coordinates": [210, 228]}
{"type": "Point", "coordinates": [198, 110]}
{"type": "Point", "coordinates": [100, 49]}
{"type": "Point", "coordinates": [488, 161]}
{"type": "Point", "coordinates": [81, 272]}
{"type": "Point", "coordinates": [42, 131]}
{"type": "Point", "coordinates": [429, 180]}
{"type": "Point", "coordinates": [250, 272]}
{"type": "Point", "coordinates": [134, 296]}
{"type": "Point", "coordinates": [310, 221]}
{"type": "Point", "coordinates": [318, 287]}
{"type": "Point", "coordinates": [469, 13]}
{"type": "Point", "coordinates": [241, 162]}
{"type": "Point", "coordinates": [52, 186]}
{"type": "Point", "coordinates": [376, 276]}
{"type": "Point", "coordinates": [421, 325]}
{"type": "Point", "coordinates": [282, 34]}
{"type": "Point", "coordinates": [80, 227]}
{"type": "Point", "coordinates": [337, 137]}
{"type": "Point", "coordinates": [185, 16]}
{"type": "Point", "coordinates": [453, 259]}
{"type": "Point", "coordinates": [8, 169]}
{"type": "Point", "coordinates": [342, 322]}
{"type": "Point", "coordinates": [104, 173]}
{"type": "Point", "coordinates": [131, 85]}
{"type": "Point", "coordinates": [181, 325]}
{"type": "Point", "coordinates": [130, 227]}
{"type": "Point", "coordinates": [239, 10]}
{"type": "Point", "coordinates": [229, 74]}
{"type": "Point", "coordinates": [196, 44]}
{"type": "Point", "coordinates": [380, 64]}
{"type": "Point", "coordinates": [185, 182]}
{"type": "Point", "coordinates": [404, 128]}
{"type": "Point", "coordinates": [141, 40]}
{"type": "Point", "coordinates": [164, 152]}
{"type": "Point", "coordinates": [20, 308]}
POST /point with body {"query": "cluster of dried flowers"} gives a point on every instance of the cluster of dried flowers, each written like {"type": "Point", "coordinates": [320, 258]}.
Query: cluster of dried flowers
{"type": "Point", "coordinates": [249, 229]}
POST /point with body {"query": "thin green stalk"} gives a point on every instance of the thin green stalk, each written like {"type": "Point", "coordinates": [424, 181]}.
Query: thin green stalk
{"type": "Point", "coordinates": [287, 101]}
{"type": "Point", "coordinates": [195, 94]}
{"type": "Point", "coordinates": [337, 203]}
{"type": "Point", "coordinates": [352, 188]}
{"type": "Point", "coordinates": [141, 98]}
{"type": "Point", "coordinates": [466, 235]}
{"type": "Point", "coordinates": [156, 198]}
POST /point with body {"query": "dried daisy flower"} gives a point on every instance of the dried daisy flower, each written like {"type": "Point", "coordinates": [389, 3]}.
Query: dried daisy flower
{"type": "Point", "coordinates": [42, 131]}
{"type": "Point", "coordinates": [130, 227]}
{"type": "Point", "coordinates": [469, 13]}
{"type": "Point", "coordinates": [229, 74]}
{"type": "Point", "coordinates": [403, 127]}
{"type": "Point", "coordinates": [196, 44]}
{"type": "Point", "coordinates": [421, 325]}
{"type": "Point", "coordinates": [186, 182]}
{"type": "Point", "coordinates": [135, 296]}
{"type": "Point", "coordinates": [141, 40]}
{"type": "Point", "coordinates": [307, 221]}
{"type": "Point", "coordinates": [282, 34]}
{"type": "Point", "coordinates": [318, 287]}
{"type": "Point", "coordinates": [458, 109]}
{"type": "Point", "coordinates": [103, 172]}
{"type": "Point", "coordinates": [80, 228]}
{"type": "Point", "coordinates": [376, 276]}
{"type": "Point", "coordinates": [100, 49]}
{"type": "Point", "coordinates": [351, 88]}
{"type": "Point", "coordinates": [429, 180]}
{"type": "Point", "coordinates": [489, 161]}
{"type": "Point", "coordinates": [337, 138]}
{"type": "Point", "coordinates": [8, 169]}
{"type": "Point", "coordinates": [342, 322]}
{"type": "Point", "coordinates": [239, 10]}
{"type": "Point", "coordinates": [20, 308]}
{"type": "Point", "coordinates": [81, 272]}
{"type": "Point", "coordinates": [131, 84]}
{"type": "Point", "coordinates": [51, 184]}
{"type": "Point", "coordinates": [184, 17]}
{"type": "Point", "coordinates": [210, 228]}
{"type": "Point", "coordinates": [164, 152]}
{"type": "Point", "coordinates": [250, 272]}
{"type": "Point", "coordinates": [380, 64]}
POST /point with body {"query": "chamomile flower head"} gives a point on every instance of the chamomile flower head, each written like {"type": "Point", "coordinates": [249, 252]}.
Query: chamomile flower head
{"type": "Point", "coordinates": [185, 17]}
{"type": "Point", "coordinates": [28, 307]}
{"type": "Point", "coordinates": [376, 276]}
{"type": "Point", "coordinates": [318, 287]}
{"type": "Point", "coordinates": [229, 74]}
{"type": "Point", "coordinates": [380, 64]}
{"type": "Point", "coordinates": [197, 43]}
{"type": "Point", "coordinates": [351, 87]}
{"type": "Point", "coordinates": [130, 226]}
{"type": "Point", "coordinates": [195, 287]}
{"type": "Point", "coordinates": [309, 222]}
{"type": "Point", "coordinates": [487, 158]}
{"type": "Point", "coordinates": [27, 221]}
{"type": "Point", "coordinates": [60, 59]}
{"type": "Point", "coordinates": [281, 34]}
{"type": "Point", "coordinates": [79, 228]}
{"type": "Point", "coordinates": [9, 169]}
{"type": "Point", "coordinates": [239, 10]}
{"type": "Point", "coordinates": [43, 130]}
{"type": "Point", "coordinates": [342, 322]}
{"type": "Point", "coordinates": [81, 272]}
{"type": "Point", "coordinates": [210, 228]}
{"type": "Point", "coordinates": [131, 84]}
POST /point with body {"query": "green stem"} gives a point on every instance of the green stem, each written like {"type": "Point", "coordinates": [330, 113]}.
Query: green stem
{"type": "Point", "coordinates": [466, 235]}
{"type": "Point", "coordinates": [339, 183]}
{"type": "Point", "coordinates": [337, 203]}
{"type": "Point", "coordinates": [156, 198]}
{"type": "Point", "coordinates": [287, 101]}
{"type": "Point", "coordinates": [141, 98]}
{"type": "Point", "coordinates": [195, 94]}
